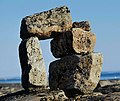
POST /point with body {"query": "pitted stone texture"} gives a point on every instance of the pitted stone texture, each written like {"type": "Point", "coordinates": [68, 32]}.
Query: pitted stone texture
{"type": "Point", "coordinates": [57, 95]}
{"type": "Point", "coordinates": [85, 25]}
{"type": "Point", "coordinates": [83, 41]}
{"type": "Point", "coordinates": [76, 74]}
{"type": "Point", "coordinates": [76, 41]}
{"type": "Point", "coordinates": [32, 64]}
{"type": "Point", "coordinates": [44, 24]}
{"type": "Point", "coordinates": [61, 45]}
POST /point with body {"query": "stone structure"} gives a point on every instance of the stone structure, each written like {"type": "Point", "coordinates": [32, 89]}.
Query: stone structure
{"type": "Point", "coordinates": [44, 24]}
{"type": "Point", "coordinates": [78, 70]}
{"type": "Point", "coordinates": [32, 63]}
{"type": "Point", "coordinates": [79, 67]}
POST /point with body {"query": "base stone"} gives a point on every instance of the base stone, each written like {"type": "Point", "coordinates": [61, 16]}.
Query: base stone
{"type": "Point", "coordinates": [32, 64]}
{"type": "Point", "coordinates": [76, 74]}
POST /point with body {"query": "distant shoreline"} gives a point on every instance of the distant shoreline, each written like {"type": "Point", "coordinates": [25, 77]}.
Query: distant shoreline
{"type": "Point", "coordinates": [104, 76]}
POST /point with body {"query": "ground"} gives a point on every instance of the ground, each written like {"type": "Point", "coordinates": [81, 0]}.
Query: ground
{"type": "Point", "coordinates": [107, 90]}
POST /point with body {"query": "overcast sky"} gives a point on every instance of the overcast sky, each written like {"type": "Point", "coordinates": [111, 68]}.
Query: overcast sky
{"type": "Point", "coordinates": [104, 17]}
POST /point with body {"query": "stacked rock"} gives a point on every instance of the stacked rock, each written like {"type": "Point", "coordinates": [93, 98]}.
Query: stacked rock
{"type": "Point", "coordinates": [32, 63]}
{"type": "Point", "coordinates": [79, 67]}
{"type": "Point", "coordinates": [37, 27]}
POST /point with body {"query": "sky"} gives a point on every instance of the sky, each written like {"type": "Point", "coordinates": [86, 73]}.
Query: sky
{"type": "Point", "coordinates": [103, 15]}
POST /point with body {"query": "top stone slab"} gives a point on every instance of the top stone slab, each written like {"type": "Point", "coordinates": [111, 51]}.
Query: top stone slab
{"type": "Point", "coordinates": [44, 24]}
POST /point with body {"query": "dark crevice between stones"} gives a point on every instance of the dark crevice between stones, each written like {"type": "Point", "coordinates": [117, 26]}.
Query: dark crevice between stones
{"type": "Point", "coordinates": [72, 92]}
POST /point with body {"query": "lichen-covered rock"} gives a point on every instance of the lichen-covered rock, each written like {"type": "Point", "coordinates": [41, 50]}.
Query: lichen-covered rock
{"type": "Point", "coordinates": [85, 25]}
{"type": "Point", "coordinates": [44, 24]}
{"type": "Point", "coordinates": [76, 41]}
{"type": "Point", "coordinates": [76, 74]}
{"type": "Point", "coordinates": [32, 64]}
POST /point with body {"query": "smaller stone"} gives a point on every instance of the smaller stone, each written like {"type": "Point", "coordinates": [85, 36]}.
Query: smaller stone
{"type": "Point", "coordinates": [76, 74]}
{"type": "Point", "coordinates": [83, 41]}
{"type": "Point", "coordinates": [85, 25]}
{"type": "Point", "coordinates": [76, 41]}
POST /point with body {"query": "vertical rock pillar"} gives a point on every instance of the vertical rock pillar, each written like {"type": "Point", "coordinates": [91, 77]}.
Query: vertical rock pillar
{"type": "Point", "coordinates": [32, 64]}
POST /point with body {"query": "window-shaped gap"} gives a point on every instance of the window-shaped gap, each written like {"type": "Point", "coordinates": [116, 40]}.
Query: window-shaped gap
{"type": "Point", "coordinates": [47, 54]}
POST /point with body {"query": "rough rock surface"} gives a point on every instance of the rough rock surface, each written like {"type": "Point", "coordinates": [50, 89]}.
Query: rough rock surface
{"type": "Point", "coordinates": [32, 64]}
{"type": "Point", "coordinates": [61, 45]}
{"type": "Point", "coordinates": [96, 96]}
{"type": "Point", "coordinates": [76, 74]}
{"type": "Point", "coordinates": [8, 88]}
{"type": "Point", "coordinates": [44, 24]}
{"type": "Point", "coordinates": [103, 83]}
{"type": "Point", "coordinates": [57, 95]}
{"type": "Point", "coordinates": [85, 25]}
{"type": "Point", "coordinates": [43, 95]}
{"type": "Point", "coordinates": [112, 93]}
{"type": "Point", "coordinates": [108, 88]}
{"type": "Point", "coordinates": [76, 42]}
{"type": "Point", "coordinates": [83, 41]}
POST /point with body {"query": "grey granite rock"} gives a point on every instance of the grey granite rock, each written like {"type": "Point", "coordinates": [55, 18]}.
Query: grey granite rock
{"type": "Point", "coordinates": [44, 24]}
{"type": "Point", "coordinates": [32, 64]}
{"type": "Point", "coordinates": [76, 41]}
{"type": "Point", "coordinates": [76, 74]}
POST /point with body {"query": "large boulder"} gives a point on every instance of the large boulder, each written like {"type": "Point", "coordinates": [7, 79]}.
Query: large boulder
{"type": "Point", "coordinates": [76, 41]}
{"type": "Point", "coordinates": [76, 74]}
{"type": "Point", "coordinates": [44, 24]}
{"type": "Point", "coordinates": [32, 64]}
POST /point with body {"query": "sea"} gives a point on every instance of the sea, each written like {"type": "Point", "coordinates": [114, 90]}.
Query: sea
{"type": "Point", "coordinates": [104, 76]}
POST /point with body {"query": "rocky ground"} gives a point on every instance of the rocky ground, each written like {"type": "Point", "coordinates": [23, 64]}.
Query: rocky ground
{"type": "Point", "coordinates": [107, 90]}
